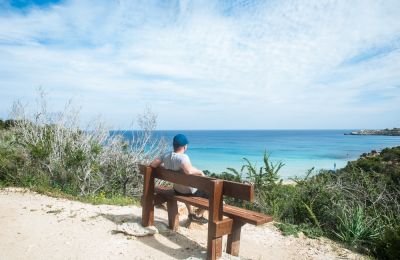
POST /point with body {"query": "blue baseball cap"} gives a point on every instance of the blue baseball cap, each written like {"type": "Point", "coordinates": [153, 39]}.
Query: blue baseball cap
{"type": "Point", "coordinates": [180, 140]}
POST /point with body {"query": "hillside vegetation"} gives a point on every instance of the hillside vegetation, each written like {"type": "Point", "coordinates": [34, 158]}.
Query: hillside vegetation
{"type": "Point", "coordinates": [49, 152]}
{"type": "Point", "coordinates": [358, 205]}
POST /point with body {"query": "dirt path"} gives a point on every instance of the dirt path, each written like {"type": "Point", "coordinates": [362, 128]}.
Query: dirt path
{"type": "Point", "coordinates": [34, 226]}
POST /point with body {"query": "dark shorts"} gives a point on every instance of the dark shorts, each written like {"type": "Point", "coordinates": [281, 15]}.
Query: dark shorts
{"type": "Point", "coordinates": [198, 193]}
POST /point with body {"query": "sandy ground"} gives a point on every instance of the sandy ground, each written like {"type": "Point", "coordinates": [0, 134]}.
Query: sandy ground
{"type": "Point", "coordinates": [33, 226]}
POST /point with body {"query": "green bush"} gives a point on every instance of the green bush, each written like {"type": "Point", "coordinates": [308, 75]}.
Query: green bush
{"type": "Point", "coordinates": [7, 124]}
{"type": "Point", "coordinates": [355, 227]}
{"type": "Point", "coordinates": [388, 247]}
{"type": "Point", "coordinates": [11, 159]}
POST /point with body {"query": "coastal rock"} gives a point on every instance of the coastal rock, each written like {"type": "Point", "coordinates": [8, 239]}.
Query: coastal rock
{"type": "Point", "coordinates": [136, 229]}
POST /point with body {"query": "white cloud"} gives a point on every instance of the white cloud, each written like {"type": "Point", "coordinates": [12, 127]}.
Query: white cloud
{"type": "Point", "coordinates": [249, 65]}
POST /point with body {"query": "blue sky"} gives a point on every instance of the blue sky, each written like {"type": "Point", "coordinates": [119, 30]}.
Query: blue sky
{"type": "Point", "coordinates": [207, 64]}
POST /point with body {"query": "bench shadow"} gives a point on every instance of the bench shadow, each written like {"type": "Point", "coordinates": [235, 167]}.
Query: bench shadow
{"type": "Point", "coordinates": [184, 247]}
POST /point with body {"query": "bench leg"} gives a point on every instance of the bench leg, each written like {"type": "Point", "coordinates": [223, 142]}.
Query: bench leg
{"type": "Point", "coordinates": [214, 241]}
{"type": "Point", "coordinates": [214, 245]}
{"type": "Point", "coordinates": [173, 215]}
{"type": "Point", "coordinates": [148, 199]}
{"type": "Point", "coordinates": [233, 243]}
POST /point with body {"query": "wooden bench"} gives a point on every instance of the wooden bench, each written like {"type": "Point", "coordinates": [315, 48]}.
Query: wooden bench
{"type": "Point", "coordinates": [222, 219]}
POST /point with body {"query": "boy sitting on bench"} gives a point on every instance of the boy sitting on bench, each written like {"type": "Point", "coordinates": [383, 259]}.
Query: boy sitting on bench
{"type": "Point", "coordinates": [177, 160]}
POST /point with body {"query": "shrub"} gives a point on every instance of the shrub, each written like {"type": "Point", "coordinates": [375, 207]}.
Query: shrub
{"type": "Point", "coordinates": [388, 247]}
{"type": "Point", "coordinates": [7, 124]}
{"type": "Point", "coordinates": [50, 149]}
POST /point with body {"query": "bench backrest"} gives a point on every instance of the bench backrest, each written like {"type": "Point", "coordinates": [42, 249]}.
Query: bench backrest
{"type": "Point", "coordinates": [229, 188]}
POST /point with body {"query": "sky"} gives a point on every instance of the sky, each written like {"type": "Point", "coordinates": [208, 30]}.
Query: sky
{"type": "Point", "coordinates": [236, 64]}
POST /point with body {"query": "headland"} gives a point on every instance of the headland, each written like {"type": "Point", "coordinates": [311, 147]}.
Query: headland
{"type": "Point", "coordinates": [388, 132]}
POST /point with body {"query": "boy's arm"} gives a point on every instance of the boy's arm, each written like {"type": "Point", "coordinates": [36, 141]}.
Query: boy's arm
{"type": "Point", "coordinates": [155, 163]}
{"type": "Point", "coordinates": [189, 169]}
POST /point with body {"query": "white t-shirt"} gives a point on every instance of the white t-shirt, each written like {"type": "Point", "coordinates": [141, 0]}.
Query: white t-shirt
{"type": "Point", "coordinates": [173, 161]}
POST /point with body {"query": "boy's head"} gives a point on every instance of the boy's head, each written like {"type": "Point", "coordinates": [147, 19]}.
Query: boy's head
{"type": "Point", "coordinates": [179, 141]}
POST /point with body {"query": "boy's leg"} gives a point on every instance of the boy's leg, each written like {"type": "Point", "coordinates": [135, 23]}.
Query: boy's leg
{"type": "Point", "coordinates": [200, 212]}
{"type": "Point", "coordinates": [189, 208]}
{"type": "Point", "coordinates": [200, 193]}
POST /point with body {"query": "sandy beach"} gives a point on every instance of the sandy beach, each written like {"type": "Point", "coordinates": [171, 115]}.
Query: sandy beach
{"type": "Point", "coordinates": [35, 226]}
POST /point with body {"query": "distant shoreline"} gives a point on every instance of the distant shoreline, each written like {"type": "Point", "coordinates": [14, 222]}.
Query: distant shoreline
{"type": "Point", "coordinates": [385, 132]}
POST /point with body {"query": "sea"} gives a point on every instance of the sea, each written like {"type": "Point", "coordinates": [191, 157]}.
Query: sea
{"type": "Point", "coordinates": [298, 150]}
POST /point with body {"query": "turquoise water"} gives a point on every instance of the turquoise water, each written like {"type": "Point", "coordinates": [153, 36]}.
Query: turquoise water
{"type": "Point", "coordinates": [299, 150]}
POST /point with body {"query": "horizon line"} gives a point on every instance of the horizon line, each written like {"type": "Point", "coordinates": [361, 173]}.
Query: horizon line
{"type": "Point", "coordinates": [256, 129]}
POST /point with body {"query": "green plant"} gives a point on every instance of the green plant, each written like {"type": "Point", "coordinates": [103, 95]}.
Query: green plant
{"type": "Point", "coordinates": [355, 227]}
{"type": "Point", "coordinates": [265, 176]}
{"type": "Point", "coordinates": [232, 175]}
{"type": "Point", "coordinates": [288, 229]}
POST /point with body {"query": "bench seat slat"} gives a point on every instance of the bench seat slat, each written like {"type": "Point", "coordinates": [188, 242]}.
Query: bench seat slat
{"type": "Point", "coordinates": [241, 214]}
